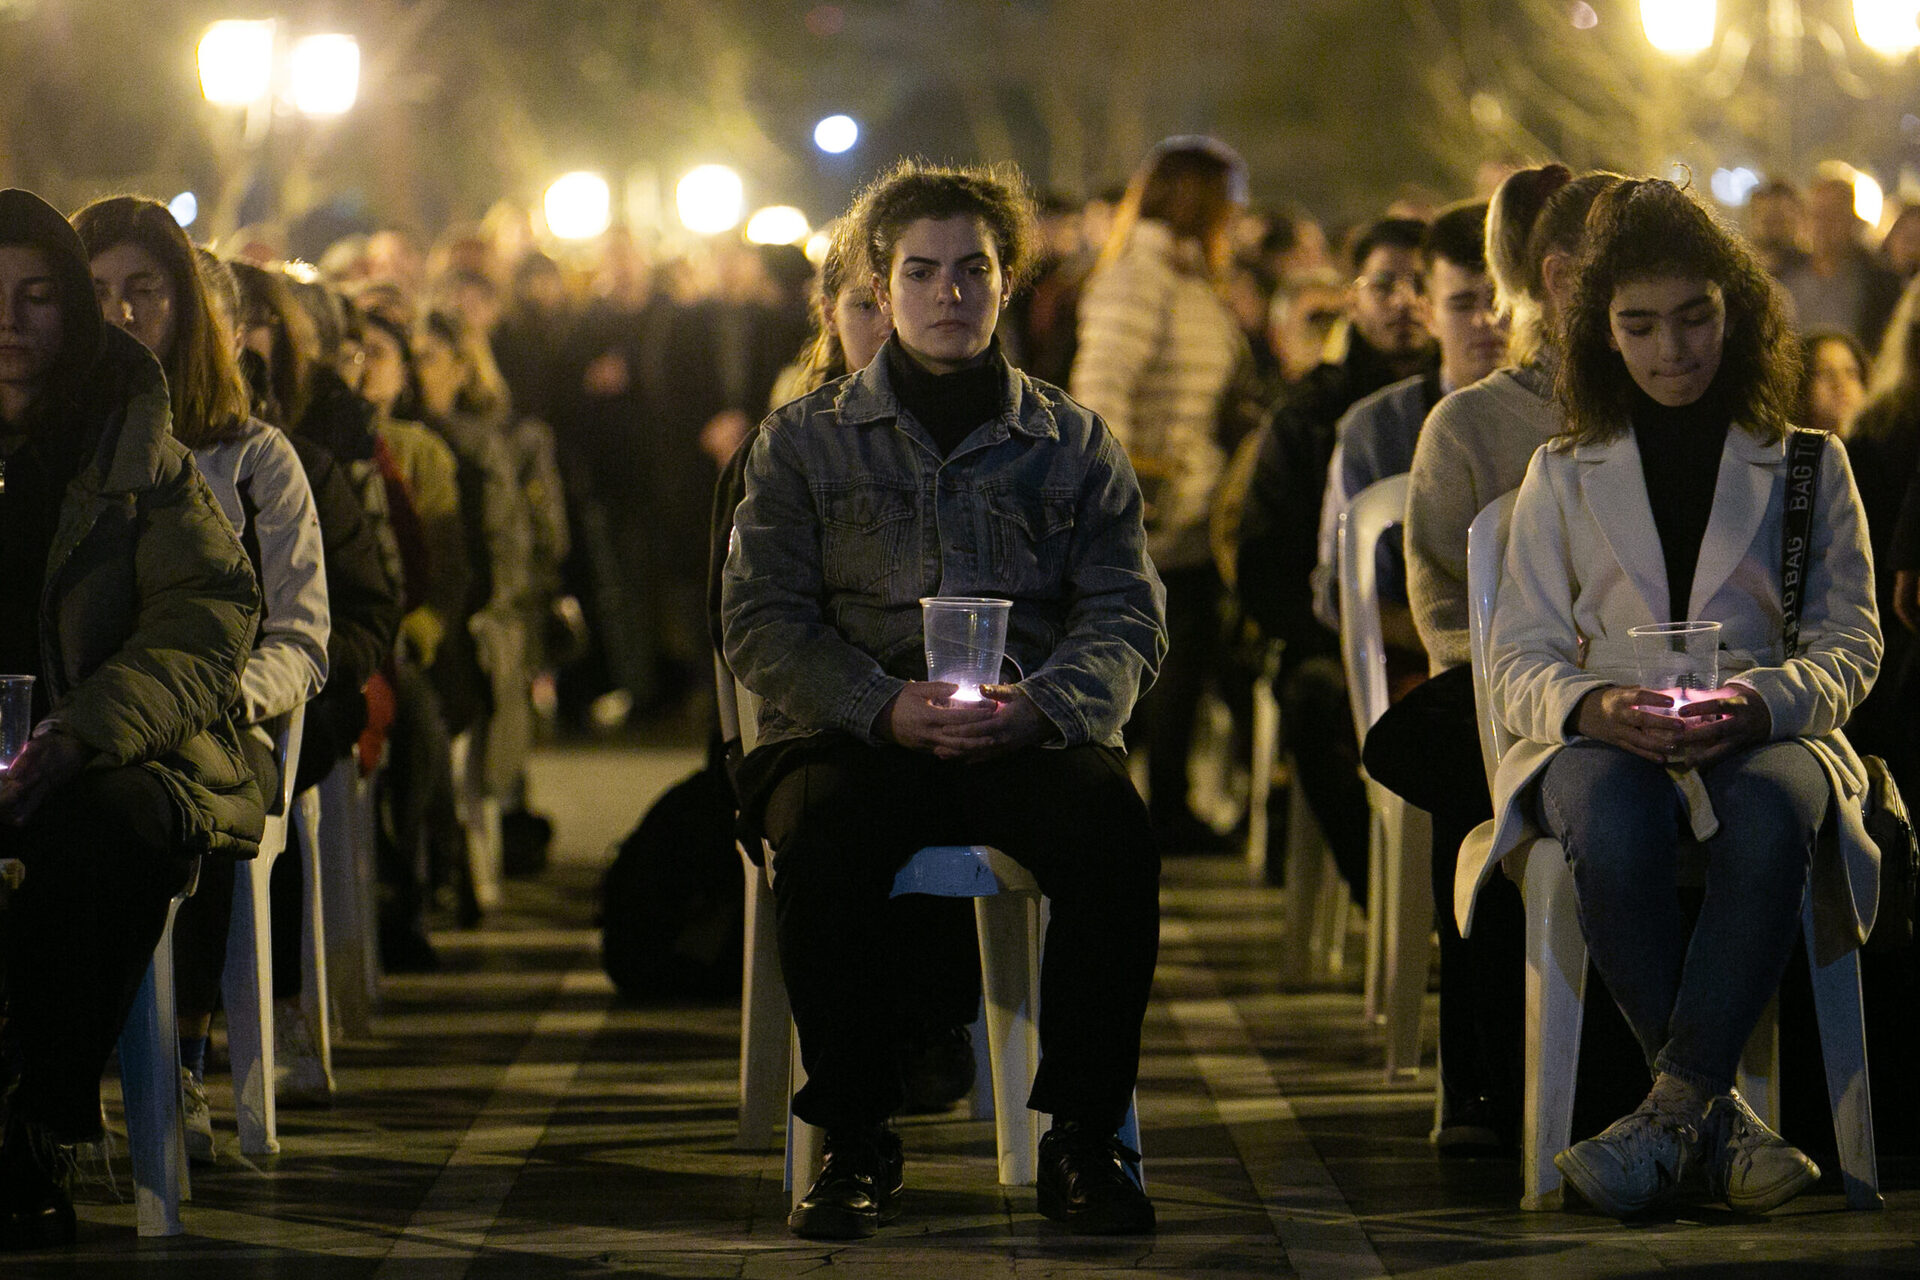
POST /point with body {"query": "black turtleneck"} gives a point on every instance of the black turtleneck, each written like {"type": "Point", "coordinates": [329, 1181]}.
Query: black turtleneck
{"type": "Point", "coordinates": [1680, 461]}
{"type": "Point", "coordinates": [948, 405]}
{"type": "Point", "coordinates": [34, 473]}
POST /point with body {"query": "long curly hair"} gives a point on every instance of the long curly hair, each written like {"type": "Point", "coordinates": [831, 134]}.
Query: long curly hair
{"type": "Point", "coordinates": [1648, 228]}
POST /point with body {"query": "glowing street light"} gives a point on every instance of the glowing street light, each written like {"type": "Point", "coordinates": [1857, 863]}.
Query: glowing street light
{"type": "Point", "coordinates": [777, 224]}
{"type": "Point", "coordinates": [579, 206]}
{"type": "Point", "coordinates": [236, 62]}
{"type": "Point", "coordinates": [836, 134]}
{"type": "Point", "coordinates": [1681, 27]}
{"type": "Point", "coordinates": [324, 74]}
{"type": "Point", "coordinates": [184, 207]}
{"type": "Point", "coordinates": [1869, 200]}
{"type": "Point", "coordinates": [1891, 28]}
{"type": "Point", "coordinates": [710, 198]}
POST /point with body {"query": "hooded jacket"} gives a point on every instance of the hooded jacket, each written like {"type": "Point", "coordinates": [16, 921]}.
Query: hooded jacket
{"type": "Point", "coordinates": [149, 604]}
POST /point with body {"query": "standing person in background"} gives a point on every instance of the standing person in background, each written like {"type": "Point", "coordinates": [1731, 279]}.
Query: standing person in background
{"type": "Point", "coordinates": [126, 592]}
{"type": "Point", "coordinates": [1387, 341]}
{"type": "Point", "coordinates": [1833, 380]}
{"type": "Point", "coordinates": [149, 282]}
{"type": "Point", "coordinates": [1840, 284]}
{"type": "Point", "coordinates": [1158, 349]}
{"type": "Point", "coordinates": [1776, 218]}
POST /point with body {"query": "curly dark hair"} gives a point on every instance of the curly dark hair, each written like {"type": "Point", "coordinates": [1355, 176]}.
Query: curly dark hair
{"type": "Point", "coordinates": [916, 189]}
{"type": "Point", "coordinates": [1645, 228]}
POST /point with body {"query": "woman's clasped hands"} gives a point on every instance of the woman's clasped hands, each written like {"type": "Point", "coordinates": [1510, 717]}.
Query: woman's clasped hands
{"type": "Point", "coordinates": [923, 717]}
{"type": "Point", "coordinates": [1697, 734]}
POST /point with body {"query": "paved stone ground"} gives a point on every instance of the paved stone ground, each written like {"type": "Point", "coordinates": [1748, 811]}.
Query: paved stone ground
{"type": "Point", "coordinates": [511, 1119]}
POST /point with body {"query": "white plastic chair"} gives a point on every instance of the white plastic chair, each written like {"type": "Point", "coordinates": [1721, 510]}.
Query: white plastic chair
{"type": "Point", "coordinates": [341, 947]}
{"type": "Point", "coordinates": [1400, 877]}
{"type": "Point", "coordinates": [1556, 954]}
{"type": "Point", "coordinates": [247, 984]}
{"type": "Point", "coordinates": [1010, 914]}
{"type": "Point", "coordinates": [479, 811]}
{"type": "Point", "coordinates": [150, 1089]}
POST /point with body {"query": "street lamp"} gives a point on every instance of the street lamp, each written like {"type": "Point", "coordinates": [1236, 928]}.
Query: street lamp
{"type": "Point", "coordinates": [709, 199]}
{"type": "Point", "coordinates": [1891, 28]}
{"type": "Point", "coordinates": [836, 134]}
{"type": "Point", "coordinates": [579, 206]}
{"type": "Point", "coordinates": [777, 224]}
{"type": "Point", "coordinates": [236, 62]}
{"type": "Point", "coordinates": [1680, 27]}
{"type": "Point", "coordinates": [323, 74]}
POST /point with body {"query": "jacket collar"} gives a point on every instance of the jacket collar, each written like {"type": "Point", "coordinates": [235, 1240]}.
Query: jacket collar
{"type": "Point", "coordinates": [1615, 487]}
{"type": "Point", "coordinates": [868, 396]}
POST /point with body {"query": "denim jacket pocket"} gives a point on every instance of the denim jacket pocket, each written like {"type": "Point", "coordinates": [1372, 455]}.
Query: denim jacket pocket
{"type": "Point", "coordinates": [1028, 535]}
{"type": "Point", "coordinates": [864, 530]}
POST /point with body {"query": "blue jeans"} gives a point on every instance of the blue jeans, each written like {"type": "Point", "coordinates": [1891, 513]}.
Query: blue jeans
{"type": "Point", "coordinates": [1693, 996]}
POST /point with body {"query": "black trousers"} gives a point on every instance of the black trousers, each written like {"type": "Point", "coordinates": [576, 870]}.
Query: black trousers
{"type": "Point", "coordinates": [1316, 719]}
{"type": "Point", "coordinates": [845, 816]}
{"type": "Point", "coordinates": [200, 929]}
{"type": "Point", "coordinates": [1426, 748]}
{"type": "Point", "coordinates": [1163, 722]}
{"type": "Point", "coordinates": [101, 863]}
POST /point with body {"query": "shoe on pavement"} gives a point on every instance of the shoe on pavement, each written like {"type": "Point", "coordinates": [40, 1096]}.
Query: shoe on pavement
{"type": "Point", "coordinates": [300, 1078]}
{"type": "Point", "coordinates": [858, 1188]}
{"type": "Point", "coordinates": [1634, 1163]}
{"type": "Point", "coordinates": [196, 1117]}
{"type": "Point", "coordinates": [1086, 1182]}
{"type": "Point", "coordinates": [1747, 1164]}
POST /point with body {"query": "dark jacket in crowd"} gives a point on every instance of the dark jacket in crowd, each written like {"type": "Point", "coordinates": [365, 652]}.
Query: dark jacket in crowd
{"type": "Point", "coordinates": [1279, 527]}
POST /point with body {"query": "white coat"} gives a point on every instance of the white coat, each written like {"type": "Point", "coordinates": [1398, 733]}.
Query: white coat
{"type": "Point", "coordinates": [1584, 564]}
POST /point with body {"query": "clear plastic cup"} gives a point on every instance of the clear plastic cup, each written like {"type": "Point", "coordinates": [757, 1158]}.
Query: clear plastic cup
{"type": "Point", "coordinates": [1679, 659]}
{"type": "Point", "coordinates": [966, 639]}
{"type": "Point", "coordinates": [16, 716]}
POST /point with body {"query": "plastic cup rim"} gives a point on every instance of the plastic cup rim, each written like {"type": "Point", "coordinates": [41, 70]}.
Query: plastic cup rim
{"type": "Point", "coordinates": [965, 601]}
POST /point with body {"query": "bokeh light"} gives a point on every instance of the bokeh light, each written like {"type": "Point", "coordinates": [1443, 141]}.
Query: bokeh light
{"type": "Point", "coordinates": [184, 207]}
{"type": "Point", "coordinates": [324, 74]}
{"type": "Point", "coordinates": [777, 224]}
{"type": "Point", "coordinates": [1679, 26]}
{"type": "Point", "coordinates": [236, 62]}
{"type": "Point", "coordinates": [1890, 28]}
{"type": "Point", "coordinates": [836, 134]}
{"type": "Point", "coordinates": [1869, 200]}
{"type": "Point", "coordinates": [1732, 187]}
{"type": "Point", "coordinates": [817, 246]}
{"type": "Point", "coordinates": [710, 199]}
{"type": "Point", "coordinates": [579, 206]}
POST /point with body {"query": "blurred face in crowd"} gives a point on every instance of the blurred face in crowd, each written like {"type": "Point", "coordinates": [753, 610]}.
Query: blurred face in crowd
{"type": "Point", "coordinates": [862, 327]}
{"type": "Point", "coordinates": [136, 293]}
{"type": "Point", "coordinates": [1388, 301]}
{"type": "Point", "coordinates": [440, 371]}
{"type": "Point", "coordinates": [1670, 331]}
{"type": "Point", "coordinates": [1472, 338]}
{"type": "Point", "coordinates": [944, 290]}
{"type": "Point", "coordinates": [30, 325]}
{"type": "Point", "coordinates": [383, 370]}
{"type": "Point", "coordinates": [1774, 220]}
{"type": "Point", "coordinates": [1301, 322]}
{"type": "Point", "coordinates": [1837, 386]}
{"type": "Point", "coordinates": [1902, 245]}
{"type": "Point", "coordinates": [1832, 227]}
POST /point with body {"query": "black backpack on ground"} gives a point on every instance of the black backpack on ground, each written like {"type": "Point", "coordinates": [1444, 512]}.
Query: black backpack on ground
{"type": "Point", "coordinates": [672, 917]}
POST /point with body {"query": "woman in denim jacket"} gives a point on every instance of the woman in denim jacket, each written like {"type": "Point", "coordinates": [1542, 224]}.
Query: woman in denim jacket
{"type": "Point", "coordinates": [941, 470]}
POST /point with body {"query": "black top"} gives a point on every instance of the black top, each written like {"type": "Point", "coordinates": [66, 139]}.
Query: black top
{"type": "Point", "coordinates": [37, 471]}
{"type": "Point", "coordinates": [1680, 462]}
{"type": "Point", "coordinates": [948, 405]}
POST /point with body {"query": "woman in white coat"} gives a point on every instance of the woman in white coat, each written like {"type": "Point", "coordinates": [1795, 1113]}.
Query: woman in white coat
{"type": "Point", "coordinates": [1662, 500]}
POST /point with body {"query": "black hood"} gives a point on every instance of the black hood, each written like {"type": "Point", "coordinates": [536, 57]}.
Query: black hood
{"type": "Point", "coordinates": [27, 219]}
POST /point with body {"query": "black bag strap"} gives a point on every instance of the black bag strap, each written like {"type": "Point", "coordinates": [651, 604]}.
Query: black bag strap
{"type": "Point", "coordinates": [1796, 527]}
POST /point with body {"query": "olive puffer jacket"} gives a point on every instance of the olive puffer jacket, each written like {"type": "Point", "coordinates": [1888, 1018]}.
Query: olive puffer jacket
{"type": "Point", "coordinates": [149, 608]}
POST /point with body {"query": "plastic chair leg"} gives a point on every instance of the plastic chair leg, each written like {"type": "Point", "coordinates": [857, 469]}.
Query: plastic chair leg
{"type": "Point", "coordinates": [764, 1020]}
{"type": "Point", "coordinates": [1843, 1048]}
{"type": "Point", "coordinates": [150, 1088]}
{"type": "Point", "coordinates": [1010, 932]}
{"type": "Point", "coordinates": [325, 814]}
{"type": "Point", "coordinates": [316, 1000]}
{"type": "Point", "coordinates": [1266, 747]}
{"type": "Point", "coordinates": [1409, 942]}
{"type": "Point", "coordinates": [248, 988]}
{"type": "Point", "coordinates": [1556, 985]}
{"type": "Point", "coordinates": [1373, 984]}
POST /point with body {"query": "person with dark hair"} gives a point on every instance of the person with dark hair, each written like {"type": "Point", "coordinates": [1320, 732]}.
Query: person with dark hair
{"type": "Point", "coordinates": [1833, 381]}
{"type": "Point", "coordinates": [1007, 488]}
{"type": "Point", "coordinates": [150, 281]}
{"type": "Point", "coordinates": [127, 593]}
{"type": "Point", "coordinates": [1158, 353]}
{"type": "Point", "coordinates": [1775, 217]}
{"type": "Point", "coordinates": [1387, 342]}
{"type": "Point", "coordinates": [1677, 366]}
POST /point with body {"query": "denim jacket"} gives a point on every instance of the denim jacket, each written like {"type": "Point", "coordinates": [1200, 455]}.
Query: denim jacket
{"type": "Point", "coordinates": [851, 516]}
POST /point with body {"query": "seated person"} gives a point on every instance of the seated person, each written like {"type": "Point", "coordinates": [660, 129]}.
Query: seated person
{"type": "Point", "coordinates": [125, 590]}
{"type": "Point", "coordinates": [941, 469]}
{"type": "Point", "coordinates": [1677, 366]}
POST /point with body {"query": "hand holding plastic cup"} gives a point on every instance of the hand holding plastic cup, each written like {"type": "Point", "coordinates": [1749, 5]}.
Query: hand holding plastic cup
{"type": "Point", "coordinates": [966, 639]}
{"type": "Point", "coordinates": [16, 716]}
{"type": "Point", "coordinates": [1679, 659]}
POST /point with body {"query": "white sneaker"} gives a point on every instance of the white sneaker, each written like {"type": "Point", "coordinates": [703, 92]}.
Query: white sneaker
{"type": "Point", "coordinates": [196, 1117]}
{"type": "Point", "coordinates": [1633, 1163]}
{"type": "Point", "coordinates": [300, 1078]}
{"type": "Point", "coordinates": [1747, 1164]}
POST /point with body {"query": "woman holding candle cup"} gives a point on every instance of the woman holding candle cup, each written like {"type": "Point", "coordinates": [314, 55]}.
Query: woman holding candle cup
{"type": "Point", "coordinates": [126, 591]}
{"type": "Point", "coordinates": [1662, 500]}
{"type": "Point", "coordinates": [939, 469]}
